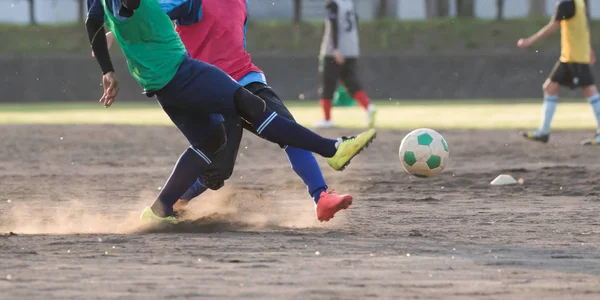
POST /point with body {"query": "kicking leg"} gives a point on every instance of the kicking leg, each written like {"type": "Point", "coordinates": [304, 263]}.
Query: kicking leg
{"type": "Point", "coordinates": [328, 203]}
{"type": "Point", "coordinates": [217, 90]}
{"type": "Point", "coordinates": [286, 132]}
{"type": "Point", "coordinates": [303, 162]}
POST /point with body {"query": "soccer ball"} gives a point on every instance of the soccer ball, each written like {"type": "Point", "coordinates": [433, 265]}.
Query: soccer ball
{"type": "Point", "coordinates": [423, 153]}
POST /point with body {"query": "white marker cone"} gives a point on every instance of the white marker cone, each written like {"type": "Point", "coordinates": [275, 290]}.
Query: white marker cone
{"type": "Point", "coordinates": [503, 179]}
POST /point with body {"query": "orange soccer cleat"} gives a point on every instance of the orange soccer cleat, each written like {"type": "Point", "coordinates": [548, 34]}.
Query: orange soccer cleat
{"type": "Point", "coordinates": [330, 203]}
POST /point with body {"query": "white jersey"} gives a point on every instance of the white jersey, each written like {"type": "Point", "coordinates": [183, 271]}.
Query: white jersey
{"type": "Point", "coordinates": [341, 16]}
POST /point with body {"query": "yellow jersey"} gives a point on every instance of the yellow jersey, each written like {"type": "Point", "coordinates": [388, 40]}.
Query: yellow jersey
{"type": "Point", "coordinates": [575, 36]}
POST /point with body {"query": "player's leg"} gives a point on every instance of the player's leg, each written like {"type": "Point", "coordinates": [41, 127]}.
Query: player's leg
{"type": "Point", "coordinates": [329, 70]}
{"type": "Point", "coordinates": [349, 77]}
{"type": "Point", "coordinates": [590, 92]}
{"type": "Point", "coordinates": [207, 137]}
{"type": "Point", "coordinates": [303, 162]}
{"type": "Point", "coordinates": [207, 88]}
{"type": "Point", "coordinates": [199, 89]}
{"type": "Point", "coordinates": [214, 175]}
{"type": "Point", "coordinates": [223, 162]}
{"type": "Point", "coordinates": [560, 75]}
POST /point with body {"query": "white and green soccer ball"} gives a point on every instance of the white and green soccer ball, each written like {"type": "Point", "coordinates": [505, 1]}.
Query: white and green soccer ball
{"type": "Point", "coordinates": [424, 153]}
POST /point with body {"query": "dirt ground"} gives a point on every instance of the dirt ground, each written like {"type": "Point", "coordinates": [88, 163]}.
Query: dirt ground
{"type": "Point", "coordinates": [72, 196]}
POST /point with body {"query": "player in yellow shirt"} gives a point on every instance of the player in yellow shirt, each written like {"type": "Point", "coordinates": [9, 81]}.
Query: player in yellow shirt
{"type": "Point", "coordinates": [572, 70]}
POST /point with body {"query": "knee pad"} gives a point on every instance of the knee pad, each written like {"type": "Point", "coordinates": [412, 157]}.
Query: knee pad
{"type": "Point", "coordinates": [256, 87]}
{"type": "Point", "coordinates": [212, 183]}
{"type": "Point", "coordinates": [215, 175]}
{"type": "Point", "coordinates": [272, 100]}
{"type": "Point", "coordinates": [248, 105]}
{"type": "Point", "coordinates": [275, 104]}
{"type": "Point", "coordinates": [215, 142]}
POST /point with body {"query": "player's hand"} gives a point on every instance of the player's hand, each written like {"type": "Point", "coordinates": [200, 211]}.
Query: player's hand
{"type": "Point", "coordinates": [523, 43]}
{"type": "Point", "coordinates": [593, 58]}
{"type": "Point", "coordinates": [339, 58]}
{"type": "Point", "coordinates": [111, 89]}
{"type": "Point", "coordinates": [110, 39]}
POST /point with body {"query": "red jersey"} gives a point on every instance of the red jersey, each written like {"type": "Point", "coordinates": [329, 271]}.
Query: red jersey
{"type": "Point", "coordinates": [219, 37]}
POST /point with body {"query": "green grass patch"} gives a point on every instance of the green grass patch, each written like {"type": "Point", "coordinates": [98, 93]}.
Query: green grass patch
{"type": "Point", "coordinates": [467, 114]}
{"type": "Point", "coordinates": [385, 35]}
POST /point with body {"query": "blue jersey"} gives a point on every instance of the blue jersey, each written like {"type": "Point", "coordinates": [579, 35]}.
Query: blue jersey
{"type": "Point", "coordinates": [186, 12]}
{"type": "Point", "coordinates": [96, 10]}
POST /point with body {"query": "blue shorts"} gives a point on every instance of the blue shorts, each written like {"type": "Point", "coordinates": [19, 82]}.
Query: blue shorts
{"type": "Point", "coordinates": [195, 97]}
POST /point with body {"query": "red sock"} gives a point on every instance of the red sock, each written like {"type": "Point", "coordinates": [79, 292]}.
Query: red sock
{"type": "Point", "coordinates": [362, 98]}
{"type": "Point", "coordinates": [326, 105]}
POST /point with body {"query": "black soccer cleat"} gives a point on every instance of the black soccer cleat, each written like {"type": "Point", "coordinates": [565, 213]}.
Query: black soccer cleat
{"type": "Point", "coordinates": [536, 136]}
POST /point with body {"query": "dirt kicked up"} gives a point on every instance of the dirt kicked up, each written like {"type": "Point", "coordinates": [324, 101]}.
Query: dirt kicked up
{"type": "Point", "coordinates": [72, 196]}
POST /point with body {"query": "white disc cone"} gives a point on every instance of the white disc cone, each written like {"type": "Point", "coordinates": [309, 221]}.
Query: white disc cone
{"type": "Point", "coordinates": [504, 179]}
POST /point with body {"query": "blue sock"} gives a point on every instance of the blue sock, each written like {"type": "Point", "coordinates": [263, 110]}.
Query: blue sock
{"type": "Point", "coordinates": [282, 131]}
{"type": "Point", "coordinates": [548, 109]}
{"type": "Point", "coordinates": [306, 166]}
{"type": "Point", "coordinates": [188, 168]}
{"type": "Point", "coordinates": [194, 191]}
{"type": "Point", "coordinates": [595, 102]}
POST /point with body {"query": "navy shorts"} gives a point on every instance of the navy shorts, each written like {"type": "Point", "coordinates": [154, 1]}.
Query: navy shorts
{"type": "Point", "coordinates": [215, 175]}
{"type": "Point", "coordinates": [196, 97]}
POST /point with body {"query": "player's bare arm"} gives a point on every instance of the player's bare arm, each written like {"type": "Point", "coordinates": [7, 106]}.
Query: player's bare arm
{"type": "Point", "coordinates": [98, 40]}
{"type": "Point", "coordinates": [110, 39]}
{"type": "Point", "coordinates": [543, 33]}
{"type": "Point", "coordinates": [564, 11]}
{"type": "Point", "coordinates": [97, 36]}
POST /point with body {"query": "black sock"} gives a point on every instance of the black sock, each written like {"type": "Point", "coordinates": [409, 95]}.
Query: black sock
{"type": "Point", "coordinates": [285, 132]}
{"type": "Point", "coordinates": [187, 169]}
{"type": "Point", "coordinates": [278, 129]}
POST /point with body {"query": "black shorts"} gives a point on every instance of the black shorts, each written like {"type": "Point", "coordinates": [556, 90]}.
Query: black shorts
{"type": "Point", "coordinates": [223, 162]}
{"type": "Point", "coordinates": [331, 72]}
{"type": "Point", "coordinates": [573, 75]}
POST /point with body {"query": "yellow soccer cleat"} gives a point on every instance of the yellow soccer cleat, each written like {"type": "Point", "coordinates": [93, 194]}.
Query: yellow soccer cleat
{"type": "Point", "coordinates": [149, 215]}
{"type": "Point", "coordinates": [349, 148]}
